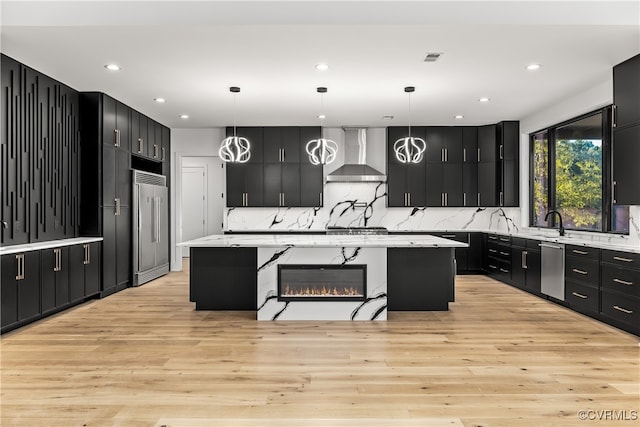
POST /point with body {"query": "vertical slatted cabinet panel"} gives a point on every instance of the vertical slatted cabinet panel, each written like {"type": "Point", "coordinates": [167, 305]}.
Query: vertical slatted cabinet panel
{"type": "Point", "coordinates": [14, 152]}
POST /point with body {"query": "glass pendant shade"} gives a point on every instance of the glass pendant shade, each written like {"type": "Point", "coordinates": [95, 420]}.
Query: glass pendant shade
{"type": "Point", "coordinates": [235, 149]}
{"type": "Point", "coordinates": [410, 149]}
{"type": "Point", "coordinates": [321, 151]}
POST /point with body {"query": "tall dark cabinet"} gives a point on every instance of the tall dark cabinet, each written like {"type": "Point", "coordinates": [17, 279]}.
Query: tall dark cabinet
{"type": "Point", "coordinates": [406, 182]}
{"type": "Point", "coordinates": [469, 166]}
{"type": "Point", "coordinates": [487, 166]}
{"type": "Point", "coordinates": [626, 132]}
{"type": "Point", "coordinates": [39, 149]}
{"type": "Point", "coordinates": [444, 166]}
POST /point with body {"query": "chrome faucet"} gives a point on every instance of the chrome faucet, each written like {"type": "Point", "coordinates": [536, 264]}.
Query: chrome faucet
{"type": "Point", "coordinates": [546, 217]}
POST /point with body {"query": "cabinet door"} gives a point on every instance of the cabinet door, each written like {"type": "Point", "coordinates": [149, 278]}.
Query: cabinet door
{"type": "Point", "coordinates": [109, 121]}
{"type": "Point", "coordinates": [291, 144]}
{"type": "Point", "coordinates": [509, 133]}
{"type": "Point", "coordinates": [533, 271]}
{"type": "Point", "coordinates": [156, 141]}
{"type": "Point", "coordinates": [14, 151]}
{"type": "Point", "coordinates": [236, 177]}
{"type": "Point", "coordinates": [311, 188]}
{"type": "Point", "coordinates": [474, 253]}
{"type": "Point", "coordinates": [487, 182]}
{"type": "Point", "coordinates": [435, 184]}
{"type": "Point", "coordinates": [470, 144]}
{"type": "Point", "coordinates": [518, 270]}
{"type": "Point", "coordinates": [109, 249]}
{"type": "Point", "coordinates": [452, 144]}
{"type": "Point", "coordinates": [123, 178]}
{"type": "Point", "coordinates": [123, 124]}
{"type": "Point", "coordinates": [140, 145]}
{"type": "Point", "coordinates": [123, 251]}
{"type": "Point", "coordinates": [76, 272]}
{"type": "Point", "coordinates": [271, 146]}
{"type": "Point", "coordinates": [136, 141]}
{"type": "Point", "coordinates": [436, 139]}
{"type": "Point", "coordinates": [291, 184]}
{"type": "Point", "coordinates": [416, 183]}
{"type": "Point", "coordinates": [9, 289]}
{"type": "Point", "coordinates": [254, 184]}
{"type": "Point", "coordinates": [272, 184]}
{"type": "Point", "coordinates": [487, 143]}
{"type": "Point", "coordinates": [48, 280]}
{"type": "Point", "coordinates": [469, 184]}
{"type": "Point", "coordinates": [63, 278]}
{"type": "Point", "coordinates": [626, 92]}
{"type": "Point", "coordinates": [165, 152]}
{"type": "Point", "coordinates": [396, 172]}
{"type": "Point", "coordinates": [452, 173]}
{"type": "Point", "coordinates": [92, 269]}
{"type": "Point", "coordinates": [109, 176]}
{"type": "Point", "coordinates": [29, 287]}
{"type": "Point", "coordinates": [626, 173]}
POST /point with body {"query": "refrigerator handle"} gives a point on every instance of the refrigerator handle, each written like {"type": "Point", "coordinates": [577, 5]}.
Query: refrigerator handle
{"type": "Point", "coordinates": [158, 201]}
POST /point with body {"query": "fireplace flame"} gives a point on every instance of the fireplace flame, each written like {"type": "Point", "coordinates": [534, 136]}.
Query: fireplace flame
{"type": "Point", "coordinates": [321, 290]}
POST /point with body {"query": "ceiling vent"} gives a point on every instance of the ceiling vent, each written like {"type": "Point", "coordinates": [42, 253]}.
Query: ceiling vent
{"type": "Point", "coordinates": [432, 57]}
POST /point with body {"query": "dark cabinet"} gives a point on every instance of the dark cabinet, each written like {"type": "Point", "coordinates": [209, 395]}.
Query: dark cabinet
{"type": "Point", "coordinates": [406, 182]}
{"type": "Point", "coordinates": [582, 278]}
{"type": "Point", "coordinates": [165, 151]}
{"type": "Point", "coordinates": [20, 287]}
{"type": "Point", "coordinates": [444, 166]}
{"type": "Point", "coordinates": [55, 278]}
{"type": "Point", "coordinates": [620, 289]}
{"type": "Point", "coordinates": [626, 173]}
{"type": "Point", "coordinates": [39, 156]}
{"type": "Point", "coordinates": [116, 249]}
{"type": "Point", "coordinates": [84, 271]}
{"type": "Point", "coordinates": [277, 174]}
{"type": "Point", "coordinates": [487, 166]}
{"type": "Point", "coordinates": [139, 134]}
{"type": "Point", "coordinates": [626, 92]}
{"type": "Point", "coordinates": [469, 166]}
{"type": "Point", "coordinates": [508, 134]}
{"type": "Point", "coordinates": [526, 264]}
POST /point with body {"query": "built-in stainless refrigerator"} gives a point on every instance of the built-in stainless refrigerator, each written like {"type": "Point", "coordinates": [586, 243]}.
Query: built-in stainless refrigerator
{"type": "Point", "coordinates": [151, 227]}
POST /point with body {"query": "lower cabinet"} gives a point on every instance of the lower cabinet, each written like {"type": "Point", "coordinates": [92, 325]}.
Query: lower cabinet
{"type": "Point", "coordinates": [38, 283]}
{"type": "Point", "coordinates": [468, 260]}
{"type": "Point", "coordinates": [525, 264]}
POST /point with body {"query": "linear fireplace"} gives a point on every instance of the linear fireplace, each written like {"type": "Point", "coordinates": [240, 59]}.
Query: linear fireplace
{"type": "Point", "coordinates": [322, 282]}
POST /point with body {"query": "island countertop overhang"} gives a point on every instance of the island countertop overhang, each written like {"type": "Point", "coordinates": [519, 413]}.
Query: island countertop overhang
{"type": "Point", "coordinates": [323, 241]}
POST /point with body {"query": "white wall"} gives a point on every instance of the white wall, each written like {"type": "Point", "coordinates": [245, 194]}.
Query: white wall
{"type": "Point", "coordinates": [187, 143]}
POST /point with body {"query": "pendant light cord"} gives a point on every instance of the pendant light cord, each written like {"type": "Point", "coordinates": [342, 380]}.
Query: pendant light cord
{"type": "Point", "coordinates": [409, 114]}
{"type": "Point", "coordinates": [234, 113]}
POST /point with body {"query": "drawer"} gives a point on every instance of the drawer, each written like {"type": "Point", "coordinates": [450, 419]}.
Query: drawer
{"type": "Point", "coordinates": [620, 307]}
{"type": "Point", "coordinates": [533, 245]}
{"type": "Point", "coordinates": [505, 240]}
{"type": "Point", "coordinates": [583, 252]}
{"type": "Point", "coordinates": [581, 297]}
{"type": "Point", "coordinates": [623, 259]}
{"type": "Point", "coordinates": [519, 241]}
{"type": "Point", "coordinates": [582, 270]}
{"type": "Point", "coordinates": [492, 238]}
{"type": "Point", "coordinates": [622, 280]}
{"type": "Point", "coordinates": [493, 248]}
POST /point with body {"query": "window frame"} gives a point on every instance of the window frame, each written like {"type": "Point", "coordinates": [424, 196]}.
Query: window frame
{"type": "Point", "coordinates": [607, 200]}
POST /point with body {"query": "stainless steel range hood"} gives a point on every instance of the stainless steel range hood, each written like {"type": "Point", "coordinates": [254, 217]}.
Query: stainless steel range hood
{"type": "Point", "coordinates": [355, 168]}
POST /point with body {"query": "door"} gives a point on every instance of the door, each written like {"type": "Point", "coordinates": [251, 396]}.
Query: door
{"type": "Point", "coordinates": [626, 174]}
{"type": "Point", "coordinates": [146, 227]}
{"type": "Point", "coordinates": [9, 289]}
{"type": "Point", "coordinates": [76, 272]}
{"type": "Point", "coordinates": [194, 204]}
{"type": "Point", "coordinates": [109, 248]}
{"type": "Point", "coordinates": [29, 286]}
{"type": "Point", "coordinates": [162, 233]}
{"type": "Point", "coordinates": [92, 269]}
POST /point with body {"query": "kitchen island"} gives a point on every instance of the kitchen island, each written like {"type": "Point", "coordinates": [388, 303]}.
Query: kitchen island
{"type": "Point", "coordinates": [322, 277]}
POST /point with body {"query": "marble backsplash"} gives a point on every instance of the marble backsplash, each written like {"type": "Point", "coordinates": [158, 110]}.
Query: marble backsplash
{"type": "Point", "coordinates": [364, 204]}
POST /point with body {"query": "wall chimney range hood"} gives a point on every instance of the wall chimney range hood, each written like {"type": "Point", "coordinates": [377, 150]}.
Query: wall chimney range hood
{"type": "Point", "coordinates": [355, 168]}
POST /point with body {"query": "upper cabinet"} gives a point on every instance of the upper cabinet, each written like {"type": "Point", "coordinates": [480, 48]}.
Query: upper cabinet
{"type": "Point", "coordinates": [444, 166]}
{"type": "Point", "coordinates": [39, 148]}
{"type": "Point", "coordinates": [406, 182]}
{"type": "Point", "coordinates": [626, 132]}
{"type": "Point", "coordinates": [277, 173]}
{"type": "Point", "coordinates": [508, 136]}
{"type": "Point", "coordinates": [626, 92]}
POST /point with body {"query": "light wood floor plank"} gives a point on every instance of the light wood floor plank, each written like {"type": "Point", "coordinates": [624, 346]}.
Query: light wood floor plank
{"type": "Point", "coordinates": [145, 357]}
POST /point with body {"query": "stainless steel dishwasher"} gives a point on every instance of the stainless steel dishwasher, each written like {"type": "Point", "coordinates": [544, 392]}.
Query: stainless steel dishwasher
{"type": "Point", "coordinates": [552, 271]}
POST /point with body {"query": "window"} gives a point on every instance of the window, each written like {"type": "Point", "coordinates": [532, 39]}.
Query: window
{"type": "Point", "coordinates": [568, 169]}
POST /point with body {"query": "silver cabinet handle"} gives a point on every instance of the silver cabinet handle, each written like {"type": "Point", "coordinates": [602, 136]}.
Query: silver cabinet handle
{"type": "Point", "coordinates": [155, 151]}
{"type": "Point", "coordinates": [575, 270]}
{"type": "Point", "coordinates": [624, 310]}
{"type": "Point", "coordinates": [283, 154]}
{"type": "Point", "coordinates": [504, 253]}
{"type": "Point", "coordinates": [448, 236]}
{"type": "Point", "coordinates": [493, 266]}
{"type": "Point", "coordinates": [579, 252]}
{"type": "Point", "coordinates": [617, 258]}
{"type": "Point", "coordinates": [158, 206]}
{"type": "Point", "coordinates": [478, 199]}
{"type": "Point", "coordinates": [22, 272]}
{"type": "Point", "coordinates": [493, 251]}
{"type": "Point", "coordinates": [501, 198]}
{"type": "Point", "coordinates": [409, 199]}
{"type": "Point", "coordinates": [501, 151]}
{"type": "Point", "coordinates": [163, 154]}
{"type": "Point", "coordinates": [441, 199]}
{"type": "Point", "coordinates": [446, 155]}
{"type": "Point", "coordinates": [464, 155]}
{"type": "Point", "coordinates": [464, 199]}
{"type": "Point", "coordinates": [622, 282]}
{"type": "Point", "coordinates": [116, 141]}
{"type": "Point", "coordinates": [446, 199]}
{"type": "Point", "coordinates": [56, 265]}
{"type": "Point", "coordinates": [614, 114]}
{"type": "Point", "coordinates": [139, 145]}
{"type": "Point", "coordinates": [504, 239]}
{"type": "Point", "coordinates": [320, 194]}
{"type": "Point", "coordinates": [504, 271]}
{"type": "Point", "coordinates": [86, 254]}
{"type": "Point", "coordinates": [613, 191]}
{"type": "Point", "coordinates": [493, 237]}
{"type": "Point", "coordinates": [18, 275]}
{"type": "Point", "coordinates": [478, 154]}
{"type": "Point", "coordinates": [579, 295]}
{"type": "Point", "coordinates": [524, 259]}
{"type": "Point", "coordinates": [117, 212]}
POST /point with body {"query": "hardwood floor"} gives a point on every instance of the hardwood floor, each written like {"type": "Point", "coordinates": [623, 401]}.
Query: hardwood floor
{"type": "Point", "coordinates": [144, 357]}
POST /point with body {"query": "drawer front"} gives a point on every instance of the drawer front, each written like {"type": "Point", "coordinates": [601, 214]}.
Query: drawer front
{"type": "Point", "coordinates": [621, 280]}
{"type": "Point", "coordinates": [493, 249]}
{"type": "Point", "coordinates": [623, 259]}
{"type": "Point", "coordinates": [586, 271]}
{"type": "Point", "coordinates": [505, 240]}
{"type": "Point", "coordinates": [492, 238]}
{"type": "Point", "coordinates": [583, 252]}
{"type": "Point", "coordinates": [504, 270]}
{"type": "Point", "coordinates": [581, 297]}
{"type": "Point", "coordinates": [620, 307]}
{"type": "Point", "coordinates": [533, 245]}
{"type": "Point", "coordinates": [519, 241]}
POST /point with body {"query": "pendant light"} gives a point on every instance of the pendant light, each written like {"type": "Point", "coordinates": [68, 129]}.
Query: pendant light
{"type": "Point", "coordinates": [321, 151]}
{"type": "Point", "coordinates": [235, 149]}
{"type": "Point", "coordinates": [409, 149]}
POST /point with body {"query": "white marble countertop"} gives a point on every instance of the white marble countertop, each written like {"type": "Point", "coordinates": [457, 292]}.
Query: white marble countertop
{"type": "Point", "coordinates": [611, 244]}
{"type": "Point", "coordinates": [322, 241]}
{"type": "Point", "coordinates": [6, 250]}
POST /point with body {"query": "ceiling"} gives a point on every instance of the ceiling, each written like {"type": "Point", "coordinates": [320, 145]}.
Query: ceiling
{"type": "Point", "coordinates": [191, 52]}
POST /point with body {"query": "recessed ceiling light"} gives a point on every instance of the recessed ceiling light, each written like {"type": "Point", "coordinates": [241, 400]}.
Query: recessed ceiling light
{"type": "Point", "coordinates": [459, 116]}
{"type": "Point", "coordinates": [112, 67]}
{"type": "Point", "coordinates": [322, 67]}
{"type": "Point", "coordinates": [387, 117]}
{"type": "Point", "coordinates": [322, 116]}
{"type": "Point", "coordinates": [532, 67]}
{"type": "Point", "coordinates": [160, 100]}
{"type": "Point", "coordinates": [484, 99]}
{"type": "Point", "coordinates": [184, 116]}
